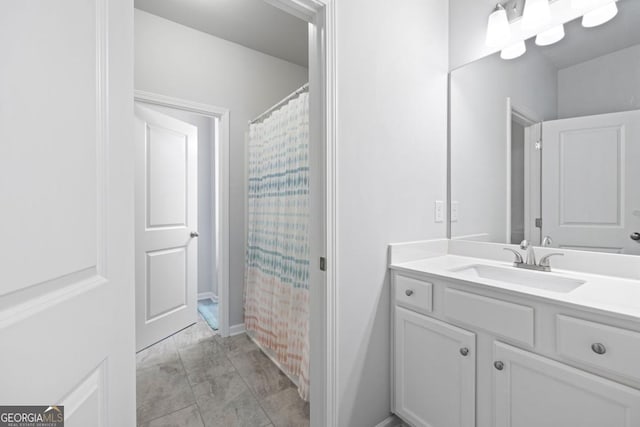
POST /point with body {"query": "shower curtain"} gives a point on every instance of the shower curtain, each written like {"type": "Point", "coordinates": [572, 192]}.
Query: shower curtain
{"type": "Point", "coordinates": [277, 267]}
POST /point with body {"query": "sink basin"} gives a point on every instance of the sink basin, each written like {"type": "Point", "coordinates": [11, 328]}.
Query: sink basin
{"type": "Point", "coordinates": [531, 279]}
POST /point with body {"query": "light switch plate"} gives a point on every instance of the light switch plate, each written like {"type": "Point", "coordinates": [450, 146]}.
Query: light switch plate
{"type": "Point", "coordinates": [439, 211]}
{"type": "Point", "coordinates": [455, 205]}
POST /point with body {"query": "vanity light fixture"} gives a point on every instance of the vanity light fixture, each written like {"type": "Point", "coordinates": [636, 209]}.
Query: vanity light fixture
{"type": "Point", "coordinates": [536, 14]}
{"type": "Point", "coordinates": [550, 36]}
{"type": "Point", "coordinates": [498, 29]}
{"type": "Point", "coordinates": [600, 15]}
{"type": "Point", "coordinates": [514, 50]}
{"type": "Point", "coordinates": [581, 4]}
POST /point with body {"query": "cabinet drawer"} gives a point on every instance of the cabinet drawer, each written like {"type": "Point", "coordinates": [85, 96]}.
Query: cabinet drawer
{"type": "Point", "coordinates": [612, 349]}
{"type": "Point", "coordinates": [414, 294]}
{"type": "Point", "coordinates": [505, 319]}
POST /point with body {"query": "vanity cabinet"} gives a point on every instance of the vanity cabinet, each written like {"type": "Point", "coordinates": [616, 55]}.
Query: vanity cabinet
{"type": "Point", "coordinates": [435, 371]}
{"type": "Point", "coordinates": [534, 391]}
{"type": "Point", "coordinates": [470, 357]}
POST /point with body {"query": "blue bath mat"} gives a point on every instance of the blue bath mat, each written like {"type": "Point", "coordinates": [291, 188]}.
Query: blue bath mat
{"type": "Point", "coordinates": [209, 310]}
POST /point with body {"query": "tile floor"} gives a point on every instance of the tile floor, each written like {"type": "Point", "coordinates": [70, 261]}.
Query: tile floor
{"type": "Point", "coordinates": [197, 379]}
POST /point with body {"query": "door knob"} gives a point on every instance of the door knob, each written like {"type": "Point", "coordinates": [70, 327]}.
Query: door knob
{"type": "Point", "coordinates": [408, 292]}
{"type": "Point", "coordinates": [498, 365]}
{"type": "Point", "coordinates": [635, 236]}
{"type": "Point", "coordinates": [599, 348]}
{"type": "Point", "coordinates": [194, 234]}
{"type": "Point", "coordinates": [464, 351]}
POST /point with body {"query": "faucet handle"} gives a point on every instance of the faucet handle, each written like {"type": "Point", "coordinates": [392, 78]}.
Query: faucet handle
{"type": "Point", "coordinates": [519, 259]}
{"type": "Point", "coordinates": [544, 261]}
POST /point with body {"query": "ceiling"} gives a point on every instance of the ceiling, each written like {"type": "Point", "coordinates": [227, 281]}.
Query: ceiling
{"type": "Point", "coordinates": [251, 23]}
{"type": "Point", "coordinates": [582, 44]}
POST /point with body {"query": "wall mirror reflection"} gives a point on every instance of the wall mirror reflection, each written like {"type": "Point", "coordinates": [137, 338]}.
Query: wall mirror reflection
{"type": "Point", "coordinates": [548, 144]}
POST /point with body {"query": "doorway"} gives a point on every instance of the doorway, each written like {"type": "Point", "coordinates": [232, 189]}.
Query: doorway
{"type": "Point", "coordinates": [523, 174]}
{"type": "Point", "coordinates": [167, 304]}
{"type": "Point", "coordinates": [322, 133]}
{"type": "Point", "coordinates": [213, 223]}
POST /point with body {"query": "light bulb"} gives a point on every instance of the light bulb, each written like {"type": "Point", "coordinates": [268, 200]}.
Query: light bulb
{"type": "Point", "coordinates": [551, 36]}
{"type": "Point", "coordinates": [536, 14]}
{"type": "Point", "coordinates": [514, 50]}
{"type": "Point", "coordinates": [498, 30]}
{"type": "Point", "coordinates": [600, 15]}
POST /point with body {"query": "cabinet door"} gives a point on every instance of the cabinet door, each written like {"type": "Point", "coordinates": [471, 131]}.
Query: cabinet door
{"type": "Point", "coordinates": [533, 391]}
{"type": "Point", "coordinates": [435, 372]}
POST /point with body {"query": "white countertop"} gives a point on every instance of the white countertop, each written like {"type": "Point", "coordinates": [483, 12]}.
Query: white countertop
{"type": "Point", "coordinates": [613, 295]}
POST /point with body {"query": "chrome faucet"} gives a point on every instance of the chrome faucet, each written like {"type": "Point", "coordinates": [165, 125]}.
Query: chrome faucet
{"type": "Point", "coordinates": [529, 262]}
{"type": "Point", "coordinates": [531, 255]}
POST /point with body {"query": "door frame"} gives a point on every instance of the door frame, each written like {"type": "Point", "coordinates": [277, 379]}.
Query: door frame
{"type": "Point", "coordinates": [323, 304]}
{"type": "Point", "coordinates": [533, 182]}
{"type": "Point", "coordinates": [526, 118]}
{"type": "Point", "coordinates": [220, 200]}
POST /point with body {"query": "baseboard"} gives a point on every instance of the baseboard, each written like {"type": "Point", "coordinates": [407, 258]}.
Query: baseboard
{"type": "Point", "coordinates": [390, 421]}
{"type": "Point", "coordinates": [207, 295]}
{"type": "Point", "coordinates": [236, 329]}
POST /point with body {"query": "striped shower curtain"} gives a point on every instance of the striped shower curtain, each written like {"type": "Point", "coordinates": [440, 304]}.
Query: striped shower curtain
{"type": "Point", "coordinates": [276, 297]}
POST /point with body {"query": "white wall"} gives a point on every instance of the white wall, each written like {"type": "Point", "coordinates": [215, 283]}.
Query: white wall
{"type": "Point", "coordinates": [479, 134]}
{"type": "Point", "coordinates": [392, 97]}
{"type": "Point", "coordinates": [207, 280]}
{"type": "Point", "coordinates": [177, 61]}
{"type": "Point", "coordinates": [607, 84]}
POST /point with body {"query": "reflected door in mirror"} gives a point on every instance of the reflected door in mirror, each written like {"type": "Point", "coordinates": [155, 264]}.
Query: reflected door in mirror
{"type": "Point", "coordinates": [589, 182]}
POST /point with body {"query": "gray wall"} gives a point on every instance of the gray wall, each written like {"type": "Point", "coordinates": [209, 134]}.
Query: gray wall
{"type": "Point", "coordinates": [607, 84]}
{"type": "Point", "coordinates": [174, 60]}
{"type": "Point", "coordinates": [207, 280]}
{"type": "Point", "coordinates": [467, 30]}
{"type": "Point", "coordinates": [392, 127]}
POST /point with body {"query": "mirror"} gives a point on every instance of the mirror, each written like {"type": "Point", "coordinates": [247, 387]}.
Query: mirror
{"type": "Point", "coordinates": [548, 144]}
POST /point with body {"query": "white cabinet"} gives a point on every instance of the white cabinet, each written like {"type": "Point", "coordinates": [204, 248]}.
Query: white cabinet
{"type": "Point", "coordinates": [447, 337]}
{"type": "Point", "coordinates": [534, 391]}
{"type": "Point", "coordinates": [434, 372]}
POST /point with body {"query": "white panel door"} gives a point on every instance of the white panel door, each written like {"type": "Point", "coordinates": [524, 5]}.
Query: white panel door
{"type": "Point", "coordinates": [533, 391]}
{"type": "Point", "coordinates": [166, 225]}
{"type": "Point", "coordinates": [66, 181]}
{"type": "Point", "coordinates": [435, 373]}
{"type": "Point", "coordinates": [591, 182]}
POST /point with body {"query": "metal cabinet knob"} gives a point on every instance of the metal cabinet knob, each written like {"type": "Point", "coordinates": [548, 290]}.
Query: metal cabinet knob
{"type": "Point", "coordinates": [408, 292]}
{"type": "Point", "coordinates": [598, 348]}
{"type": "Point", "coordinates": [464, 351]}
{"type": "Point", "coordinates": [194, 234]}
{"type": "Point", "coordinates": [498, 365]}
{"type": "Point", "coordinates": [635, 236]}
